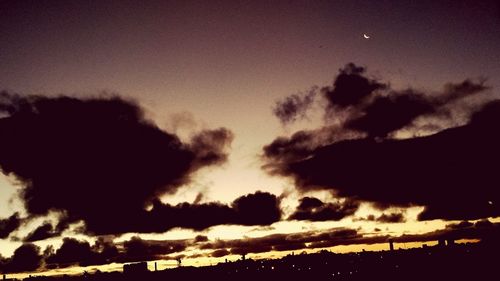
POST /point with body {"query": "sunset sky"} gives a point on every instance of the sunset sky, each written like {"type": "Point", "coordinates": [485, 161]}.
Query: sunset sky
{"type": "Point", "coordinates": [153, 130]}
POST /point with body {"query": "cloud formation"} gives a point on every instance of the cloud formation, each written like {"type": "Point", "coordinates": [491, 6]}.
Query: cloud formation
{"type": "Point", "coordinates": [448, 172]}
{"type": "Point", "coordinates": [483, 230]}
{"type": "Point", "coordinates": [79, 252]}
{"type": "Point", "coordinates": [351, 87]}
{"type": "Point", "coordinates": [313, 209]}
{"type": "Point", "coordinates": [8, 225]}
{"type": "Point", "coordinates": [99, 160]}
{"type": "Point", "coordinates": [259, 208]}
{"type": "Point", "coordinates": [26, 258]}
{"type": "Point", "coordinates": [394, 217]}
{"type": "Point", "coordinates": [294, 107]}
{"type": "Point", "coordinates": [44, 231]}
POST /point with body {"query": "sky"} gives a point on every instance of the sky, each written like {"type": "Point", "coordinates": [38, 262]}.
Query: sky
{"type": "Point", "coordinates": [152, 130]}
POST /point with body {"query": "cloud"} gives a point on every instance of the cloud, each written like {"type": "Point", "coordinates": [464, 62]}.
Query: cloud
{"type": "Point", "coordinates": [79, 252]}
{"type": "Point", "coordinates": [72, 252]}
{"type": "Point", "coordinates": [294, 107]}
{"type": "Point", "coordinates": [390, 113]}
{"type": "Point", "coordinates": [283, 242]}
{"type": "Point", "coordinates": [448, 172]}
{"type": "Point", "coordinates": [8, 225]}
{"type": "Point", "coordinates": [362, 107]}
{"type": "Point", "coordinates": [395, 217]}
{"type": "Point", "coordinates": [391, 218]}
{"type": "Point", "coordinates": [137, 249]}
{"type": "Point", "coordinates": [220, 253]}
{"type": "Point", "coordinates": [483, 230]}
{"type": "Point", "coordinates": [397, 109]}
{"type": "Point", "coordinates": [350, 87]}
{"type": "Point", "coordinates": [26, 258]}
{"type": "Point", "coordinates": [99, 160]}
{"type": "Point", "coordinates": [455, 91]}
{"type": "Point", "coordinates": [302, 144]}
{"type": "Point", "coordinates": [44, 231]}
{"type": "Point", "coordinates": [460, 225]}
{"type": "Point", "coordinates": [200, 238]}
{"type": "Point", "coordinates": [345, 236]}
{"type": "Point", "coordinates": [209, 146]}
{"type": "Point", "coordinates": [259, 208]}
{"type": "Point", "coordinates": [313, 209]}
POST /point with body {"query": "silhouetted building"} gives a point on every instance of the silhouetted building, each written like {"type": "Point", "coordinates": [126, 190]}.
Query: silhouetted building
{"type": "Point", "coordinates": [391, 244]}
{"type": "Point", "coordinates": [441, 242]}
{"type": "Point", "coordinates": [135, 268]}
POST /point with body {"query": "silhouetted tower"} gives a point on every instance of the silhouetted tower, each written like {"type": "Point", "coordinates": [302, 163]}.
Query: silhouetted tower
{"type": "Point", "coordinates": [156, 268]}
{"type": "Point", "coordinates": [179, 262]}
{"type": "Point", "coordinates": [243, 257]}
{"type": "Point", "coordinates": [391, 244]}
{"type": "Point", "coordinates": [4, 277]}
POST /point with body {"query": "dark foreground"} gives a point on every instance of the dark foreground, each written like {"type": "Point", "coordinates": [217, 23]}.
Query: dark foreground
{"type": "Point", "coordinates": [457, 262]}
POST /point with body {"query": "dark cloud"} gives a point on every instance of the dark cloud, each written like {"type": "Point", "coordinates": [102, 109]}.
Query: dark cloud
{"type": "Point", "coordinates": [390, 113]}
{"type": "Point", "coordinates": [44, 231]}
{"type": "Point", "coordinates": [198, 198]}
{"type": "Point", "coordinates": [455, 91]}
{"type": "Point", "coordinates": [72, 252]}
{"type": "Point", "coordinates": [8, 225]}
{"type": "Point", "coordinates": [259, 208]}
{"type": "Point", "coordinates": [79, 252]}
{"type": "Point", "coordinates": [283, 242]}
{"type": "Point", "coordinates": [448, 172]}
{"type": "Point", "coordinates": [97, 159]}
{"type": "Point", "coordinates": [302, 143]}
{"type": "Point", "coordinates": [391, 218]}
{"type": "Point", "coordinates": [397, 109]}
{"type": "Point", "coordinates": [201, 238]}
{"type": "Point", "coordinates": [313, 209]}
{"type": "Point", "coordinates": [76, 252]}
{"type": "Point", "coordinates": [351, 87]}
{"type": "Point", "coordinates": [137, 249]}
{"type": "Point", "coordinates": [220, 253]}
{"type": "Point", "coordinates": [365, 107]}
{"type": "Point", "coordinates": [26, 258]}
{"type": "Point", "coordinates": [209, 146]}
{"type": "Point", "coordinates": [345, 236]}
{"type": "Point", "coordinates": [395, 217]}
{"type": "Point", "coordinates": [294, 107]}
{"type": "Point", "coordinates": [485, 231]}
{"type": "Point", "coordinates": [462, 224]}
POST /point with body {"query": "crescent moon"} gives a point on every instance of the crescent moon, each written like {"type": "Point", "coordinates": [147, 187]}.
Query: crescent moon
{"type": "Point", "coordinates": [366, 36]}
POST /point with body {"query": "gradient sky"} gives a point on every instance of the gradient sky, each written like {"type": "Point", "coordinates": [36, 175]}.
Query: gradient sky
{"type": "Point", "coordinates": [206, 64]}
